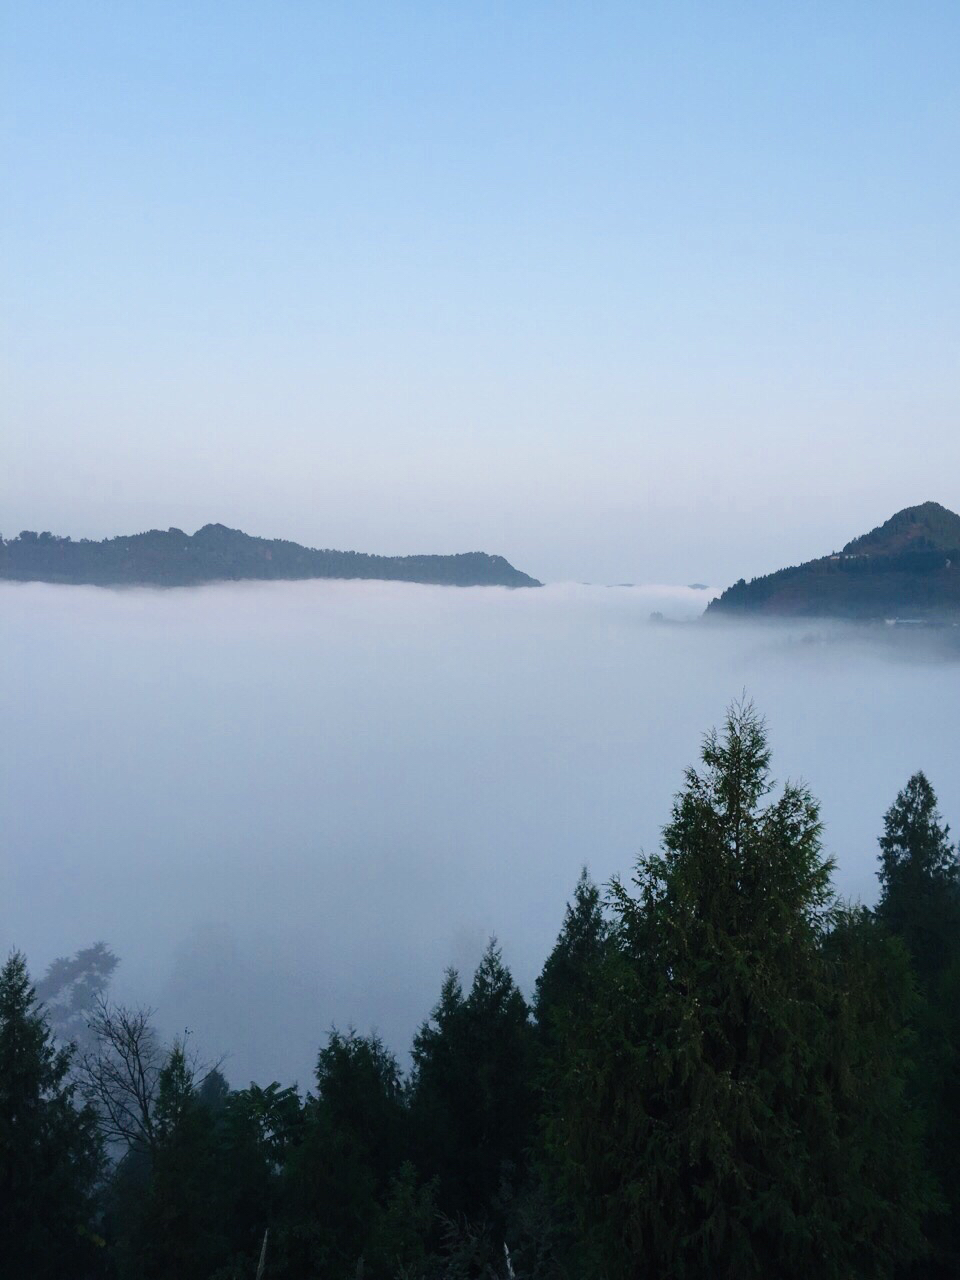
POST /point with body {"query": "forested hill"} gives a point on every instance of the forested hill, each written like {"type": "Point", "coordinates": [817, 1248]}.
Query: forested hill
{"type": "Point", "coordinates": [215, 553]}
{"type": "Point", "coordinates": [906, 569]}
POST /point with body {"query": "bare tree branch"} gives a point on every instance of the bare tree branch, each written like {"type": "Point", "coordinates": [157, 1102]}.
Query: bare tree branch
{"type": "Point", "coordinates": [120, 1077]}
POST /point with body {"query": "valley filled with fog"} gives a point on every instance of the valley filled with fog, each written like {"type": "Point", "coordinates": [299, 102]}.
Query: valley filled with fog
{"type": "Point", "coordinates": [291, 805]}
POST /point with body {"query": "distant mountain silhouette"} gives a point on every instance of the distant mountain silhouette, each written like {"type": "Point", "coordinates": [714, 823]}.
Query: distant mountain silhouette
{"type": "Point", "coordinates": [906, 569]}
{"type": "Point", "coordinates": [215, 553]}
{"type": "Point", "coordinates": [929, 526]}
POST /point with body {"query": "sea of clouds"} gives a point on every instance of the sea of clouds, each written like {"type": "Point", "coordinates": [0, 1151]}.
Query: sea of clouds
{"type": "Point", "coordinates": [290, 805]}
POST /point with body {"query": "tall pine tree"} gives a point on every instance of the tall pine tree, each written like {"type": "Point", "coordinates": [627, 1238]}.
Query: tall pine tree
{"type": "Point", "coordinates": [565, 997]}
{"type": "Point", "coordinates": [703, 1118]}
{"type": "Point", "coordinates": [339, 1174]}
{"type": "Point", "coordinates": [50, 1154]}
{"type": "Point", "coordinates": [473, 1089]}
{"type": "Point", "coordinates": [920, 880]}
{"type": "Point", "coordinates": [920, 903]}
{"type": "Point", "coordinates": [566, 982]}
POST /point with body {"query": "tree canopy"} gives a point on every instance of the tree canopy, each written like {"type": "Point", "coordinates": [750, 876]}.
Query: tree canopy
{"type": "Point", "coordinates": [724, 1071]}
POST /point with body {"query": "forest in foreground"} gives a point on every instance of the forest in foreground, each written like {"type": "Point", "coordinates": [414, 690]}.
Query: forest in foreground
{"type": "Point", "coordinates": [724, 1071]}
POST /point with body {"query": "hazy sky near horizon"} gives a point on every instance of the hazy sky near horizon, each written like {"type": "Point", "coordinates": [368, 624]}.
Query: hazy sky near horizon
{"type": "Point", "coordinates": [655, 292]}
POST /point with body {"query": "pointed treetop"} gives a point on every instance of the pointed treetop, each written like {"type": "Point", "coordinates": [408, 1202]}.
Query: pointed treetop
{"type": "Point", "coordinates": [915, 834]}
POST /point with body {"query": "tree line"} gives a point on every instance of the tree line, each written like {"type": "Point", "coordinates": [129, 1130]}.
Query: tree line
{"type": "Point", "coordinates": [724, 1071]}
{"type": "Point", "coordinates": [171, 558]}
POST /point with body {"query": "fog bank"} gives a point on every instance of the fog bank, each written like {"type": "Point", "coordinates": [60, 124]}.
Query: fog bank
{"type": "Point", "coordinates": [287, 805]}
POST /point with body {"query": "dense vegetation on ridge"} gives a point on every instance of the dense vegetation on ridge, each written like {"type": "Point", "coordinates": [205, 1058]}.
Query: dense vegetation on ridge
{"type": "Point", "coordinates": [907, 568]}
{"type": "Point", "coordinates": [215, 553]}
{"type": "Point", "coordinates": [725, 1073]}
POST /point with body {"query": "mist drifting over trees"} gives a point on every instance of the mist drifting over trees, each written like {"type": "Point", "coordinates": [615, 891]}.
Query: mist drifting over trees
{"type": "Point", "coordinates": [367, 908]}
{"type": "Point", "coordinates": [725, 1070]}
{"type": "Point", "coordinates": [291, 805]}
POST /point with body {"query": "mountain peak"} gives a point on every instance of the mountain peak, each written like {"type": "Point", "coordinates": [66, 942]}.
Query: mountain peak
{"type": "Point", "coordinates": [928, 526]}
{"type": "Point", "coordinates": [218, 531]}
{"type": "Point", "coordinates": [907, 568]}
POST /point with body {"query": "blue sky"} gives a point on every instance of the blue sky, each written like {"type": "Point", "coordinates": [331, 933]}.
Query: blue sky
{"type": "Point", "coordinates": [622, 291]}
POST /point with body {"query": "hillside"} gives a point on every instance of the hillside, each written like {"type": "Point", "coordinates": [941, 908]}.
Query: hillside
{"type": "Point", "coordinates": [907, 569]}
{"type": "Point", "coordinates": [215, 553]}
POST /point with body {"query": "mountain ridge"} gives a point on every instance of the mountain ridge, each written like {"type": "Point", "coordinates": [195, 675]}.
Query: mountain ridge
{"type": "Point", "coordinates": [906, 569]}
{"type": "Point", "coordinates": [217, 553]}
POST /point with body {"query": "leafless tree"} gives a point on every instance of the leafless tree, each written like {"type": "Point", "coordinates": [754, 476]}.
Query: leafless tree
{"type": "Point", "coordinates": [121, 1075]}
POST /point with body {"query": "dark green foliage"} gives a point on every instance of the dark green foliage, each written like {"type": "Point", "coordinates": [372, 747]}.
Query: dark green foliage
{"type": "Point", "coordinates": [274, 1115]}
{"type": "Point", "coordinates": [878, 1164]}
{"type": "Point", "coordinates": [703, 1115]}
{"type": "Point", "coordinates": [565, 986]}
{"type": "Point", "coordinates": [473, 1097]}
{"type": "Point", "coordinates": [728, 1074]}
{"type": "Point", "coordinates": [256, 1131]}
{"type": "Point", "coordinates": [215, 553]}
{"type": "Point", "coordinates": [920, 904]}
{"type": "Point", "coordinates": [939, 1086]}
{"type": "Point", "coordinates": [566, 996]}
{"type": "Point", "coordinates": [404, 1229]}
{"type": "Point", "coordinates": [920, 880]}
{"type": "Point", "coordinates": [351, 1145]}
{"type": "Point", "coordinates": [50, 1156]}
{"type": "Point", "coordinates": [908, 568]}
{"type": "Point", "coordinates": [199, 1199]}
{"type": "Point", "coordinates": [178, 1229]}
{"type": "Point", "coordinates": [359, 1090]}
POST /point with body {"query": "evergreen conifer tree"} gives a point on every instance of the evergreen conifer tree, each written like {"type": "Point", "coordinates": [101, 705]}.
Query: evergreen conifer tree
{"type": "Point", "coordinates": [338, 1175]}
{"type": "Point", "coordinates": [179, 1222]}
{"type": "Point", "coordinates": [71, 989]}
{"type": "Point", "coordinates": [920, 903]}
{"type": "Point", "coordinates": [565, 997]}
{"type": "Point", "coordinates": [566, 981]}
{"type": "Point", "coordinates": [702, 1121]}
{"type": "Point", "coordinates": [50, 1155]}
{"type": "Point", "coordinates": [473, 1088]}
{"type": "Point", "coordinates": [920, 880]}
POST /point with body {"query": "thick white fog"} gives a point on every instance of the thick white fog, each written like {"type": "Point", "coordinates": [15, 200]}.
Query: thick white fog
{"type": "Point", "coordinates": [290, 805]}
